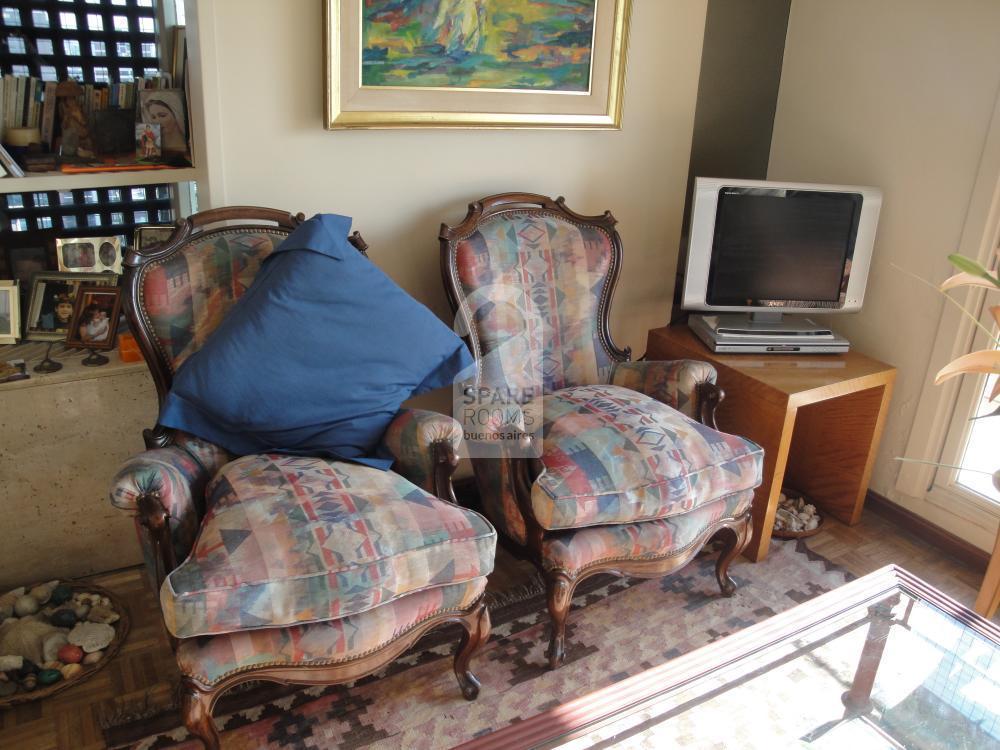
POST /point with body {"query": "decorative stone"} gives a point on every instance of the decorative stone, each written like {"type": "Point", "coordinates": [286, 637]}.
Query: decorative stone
{"type": "Point", "coordinates": [25, 605]}
{"type": "Point", "coordinates": [61, 593]}
{"type": "Point", "coordinates": [63, 618]}
{"type": "Point", "coordinates": [43, 593]}
{"type": "Point", "coordinates": [52, 644]}
{"type": "Point", "coordinates": [70, 654]}
{"type": "Point", "coordinates": [69, 671]}
{"type": "Point", "coordinates": [103, 614]}
{"type": "Point", "coordinates": [11, 662]}
{"type": "Point", "coordinates": [48, 676]}
{"type": "Point", "coordinates": [7, 689]}
{"type": "Point", "coordinates": [8, 599]}
{"type": "Point", "coordinates": [54, 664]}
{"type": "Point", "coordinates": [24, 637]}
{"type": "Point", "coordinates": [92, 636]}
{"type": "Point", "coordinates": [29, 683]}
{"type": "Point", "coordinates": [93, 658]}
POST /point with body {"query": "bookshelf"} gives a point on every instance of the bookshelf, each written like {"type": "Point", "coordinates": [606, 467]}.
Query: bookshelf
{"type": "Point", "coordinates": [117, 51]}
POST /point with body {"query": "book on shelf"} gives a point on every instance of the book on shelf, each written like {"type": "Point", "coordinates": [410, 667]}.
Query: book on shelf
{"type": "Point", "coordinates": [8, 163]}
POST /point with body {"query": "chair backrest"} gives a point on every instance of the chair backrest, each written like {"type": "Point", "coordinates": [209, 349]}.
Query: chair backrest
{"type": "Point", "coordinates": [532, 281]}
{"type": "Point", "coordinates": [179, 290]}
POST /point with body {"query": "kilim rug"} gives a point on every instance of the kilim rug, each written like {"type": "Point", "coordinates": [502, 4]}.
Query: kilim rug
{"type": "Point", "coordinates": [617, 628]}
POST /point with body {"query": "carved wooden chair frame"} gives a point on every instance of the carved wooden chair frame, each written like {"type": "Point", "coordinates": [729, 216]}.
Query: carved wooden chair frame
{"type": "Point", "coordinates": [521, 471]}
{"type": "Point", "coordinates": [196, 699]}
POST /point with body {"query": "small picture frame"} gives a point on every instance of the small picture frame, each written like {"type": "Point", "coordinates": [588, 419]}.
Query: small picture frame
{"type": "Point", "coordinates": [53, 297]}
{"type": "Point", "coordinates": [89, 254]}
{"type": "Point", "coordinates": [148, 235]}
{"type": "Point", "coordinates": [10, 312]}
{"type": "Point", "coordinates": [95, 317]}
{"type": "Point", "coordinates": [166, 108]}
{"type": "Point", "coordinates": [148, 143]}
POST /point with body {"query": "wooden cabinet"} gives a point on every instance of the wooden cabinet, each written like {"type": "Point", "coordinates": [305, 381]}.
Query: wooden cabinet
{"type": "Point", "coordinates": [818, 417]}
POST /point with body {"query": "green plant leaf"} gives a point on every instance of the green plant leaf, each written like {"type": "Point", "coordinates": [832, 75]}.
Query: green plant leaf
{"type": "Point", "coordinates": [968, 265]}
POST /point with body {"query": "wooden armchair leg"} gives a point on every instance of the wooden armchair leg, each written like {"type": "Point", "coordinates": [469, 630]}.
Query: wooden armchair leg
{"type": "Point", "coordinates": [477, 632]}
{"type": "Point", "coordinates": [196, 710]}
{"type": "Point", "coordinates": [560, 596]}
{"type": "Point", "coordinates": [736, 539]}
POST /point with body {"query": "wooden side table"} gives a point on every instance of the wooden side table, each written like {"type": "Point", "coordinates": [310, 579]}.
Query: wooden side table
{"type": "Point", "coordinates": [818, 417]}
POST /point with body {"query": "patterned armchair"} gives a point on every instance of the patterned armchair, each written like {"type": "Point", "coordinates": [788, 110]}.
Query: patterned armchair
{"type": "Point", "coordinates": [286, 568]}
{"type": "Point", "coordinates": [627, 474]}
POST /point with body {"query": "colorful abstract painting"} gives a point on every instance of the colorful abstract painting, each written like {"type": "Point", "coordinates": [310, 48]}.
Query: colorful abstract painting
{"type": "Point", "coordinates": [538, 45]}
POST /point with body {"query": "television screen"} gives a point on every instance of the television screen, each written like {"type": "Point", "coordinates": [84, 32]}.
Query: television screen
{"type": "Point", "coordinates": [771, 246]}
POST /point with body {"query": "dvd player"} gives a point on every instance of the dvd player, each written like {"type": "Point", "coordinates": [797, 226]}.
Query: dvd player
{"type": "Point", "coordinates": [720, 337]}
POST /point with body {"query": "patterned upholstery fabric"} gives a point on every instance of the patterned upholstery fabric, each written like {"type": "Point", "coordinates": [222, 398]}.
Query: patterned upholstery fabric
{"type": "Point", "coordinates": [533, 282]}
{"type": "Point", "coordinates": [186, 296]}
{"type": "Point", "coordinates": [289, 540]}
{"type": "Point", "coordinates": [576, 549]}
{"type": "Point", "coordinates": [613, 455]}
{"type": "Point", "coordinates": [674, 383]}
{"type": "Point", "coordinates": [409, 440]}
{"type": "Point", "coordinates": [179, 474]}
{"type": "Point", "coordinates": [210, 659]}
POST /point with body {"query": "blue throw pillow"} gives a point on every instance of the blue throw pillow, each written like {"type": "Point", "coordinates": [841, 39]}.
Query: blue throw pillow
{"type": "Point", "coordinates": [316, 357]}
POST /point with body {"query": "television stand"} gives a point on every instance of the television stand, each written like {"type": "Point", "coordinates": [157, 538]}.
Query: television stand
{"type": "Point", "coordinates": [765, 333]}
{"type": "Point", "coordinates": [818, 420]}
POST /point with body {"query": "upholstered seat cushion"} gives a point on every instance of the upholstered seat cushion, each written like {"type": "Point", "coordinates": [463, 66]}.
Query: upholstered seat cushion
{"type": "Point", "coordinates": [613, 455]}
{"type": "Point", "coordinates": [577, 549]}
{"type": "Point", "coordinates": [208, 660]}
{"type": "Point", "coordinates": [289, 540]}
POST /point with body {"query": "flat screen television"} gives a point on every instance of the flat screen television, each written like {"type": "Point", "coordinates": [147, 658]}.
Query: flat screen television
{"type": "Point", "coordinates": [761, 248]}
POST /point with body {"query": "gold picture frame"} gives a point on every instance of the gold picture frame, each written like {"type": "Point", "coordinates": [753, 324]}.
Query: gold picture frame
{"type": "Point", "coordinates": [589, 95]}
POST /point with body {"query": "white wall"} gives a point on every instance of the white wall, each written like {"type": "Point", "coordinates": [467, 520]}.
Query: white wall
{"type": "Point", "coordinates": [897, 94]}
{"type": "Point", "coordinates": [400, 185]}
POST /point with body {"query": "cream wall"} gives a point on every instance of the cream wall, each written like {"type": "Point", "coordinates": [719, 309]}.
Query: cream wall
{"type": "Point", "coordinates": [897, 94]}
{"type": "Point", "coordinates": [269, 148]}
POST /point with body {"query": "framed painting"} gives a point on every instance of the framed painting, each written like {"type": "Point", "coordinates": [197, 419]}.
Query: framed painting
{"type": "Point", "coordinates": [475, 63]}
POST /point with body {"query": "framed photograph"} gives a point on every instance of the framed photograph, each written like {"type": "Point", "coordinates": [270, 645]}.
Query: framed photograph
{"type": "Point", "coordinates": [474, 64]}
{"type": "Point", "coordinates": [95, 317]}
{"type": "Point", "coordinates": [148, 146]}
{"type": "Point", "coordinates": [165, 107]}
{"type": "Point", "coordinates": [90, 254]}
{"type": "Point", "coordinates": [10, 309]}
{"type": "Point", "coordinates": [152, 234]}
{"type": "Point", "coordinates": [53, 295]}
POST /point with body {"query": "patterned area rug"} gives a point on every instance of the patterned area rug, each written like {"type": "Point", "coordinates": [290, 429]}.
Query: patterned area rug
{"type": "Point", "coordinates": [617, 627]}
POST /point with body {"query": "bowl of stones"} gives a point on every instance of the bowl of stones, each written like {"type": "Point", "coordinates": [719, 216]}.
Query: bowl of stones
{"type": "Point", "coordinates": [796, 517]}
{"type": "Point", "coordinates": [54, 635]}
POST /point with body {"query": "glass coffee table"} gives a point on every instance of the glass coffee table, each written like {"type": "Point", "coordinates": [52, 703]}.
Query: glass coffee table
{"type": "Point", "coordinates": [885, 661]}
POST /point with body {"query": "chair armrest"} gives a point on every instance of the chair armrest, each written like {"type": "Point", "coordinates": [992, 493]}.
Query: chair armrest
{"type": "Point", "coordinates": [165, 490]}
{"type": "Point", "coordinates": [687, 385]}
{"type": "Point", "coordinates": [425, 447]}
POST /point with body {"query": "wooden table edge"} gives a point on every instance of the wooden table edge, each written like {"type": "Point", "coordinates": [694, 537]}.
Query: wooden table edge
{"type": "Point", "coordinates": [610, 701]}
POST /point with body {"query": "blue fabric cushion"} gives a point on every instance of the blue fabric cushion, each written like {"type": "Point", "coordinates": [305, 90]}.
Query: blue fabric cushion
{"type": "Point", "coordinates": [316, 357]}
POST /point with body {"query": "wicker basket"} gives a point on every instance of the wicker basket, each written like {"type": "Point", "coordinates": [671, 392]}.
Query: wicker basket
{"type": "Point", "coordinates": [784, 534]}
{"type": "Point", "coordinates": [121, 630]}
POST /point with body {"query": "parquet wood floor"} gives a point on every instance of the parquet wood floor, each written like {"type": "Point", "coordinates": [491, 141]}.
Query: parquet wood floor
{"type": "Point", "coordinates": [144, 669]}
